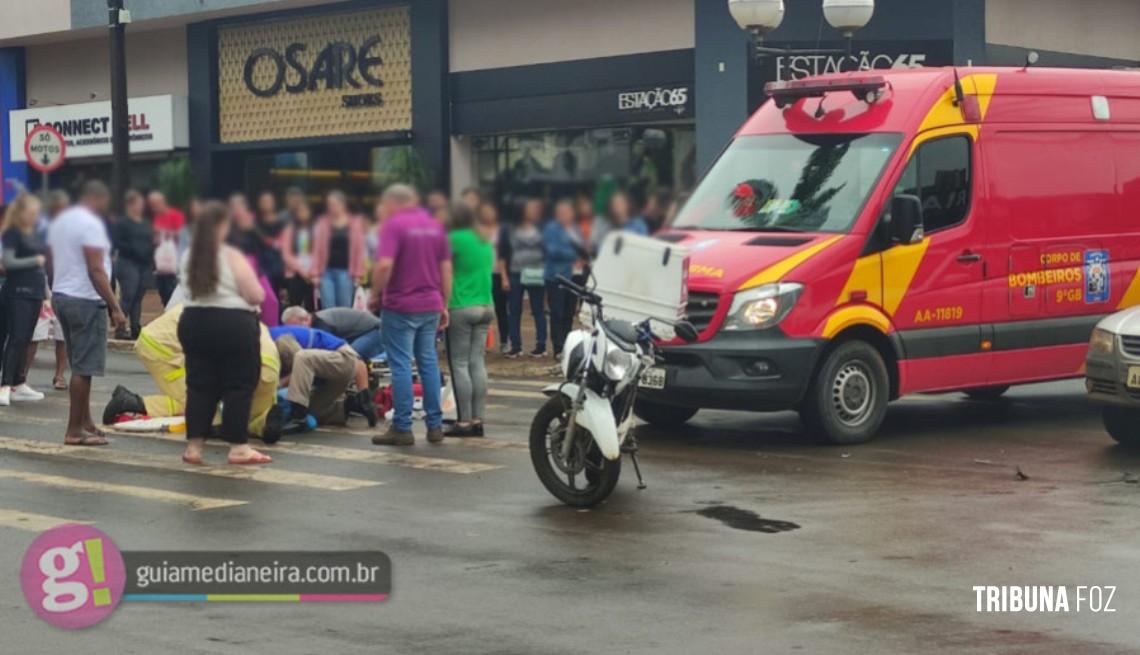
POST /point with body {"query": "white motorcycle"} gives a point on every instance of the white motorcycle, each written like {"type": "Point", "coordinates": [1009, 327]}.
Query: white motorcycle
{"type": "Point", "coordinates": [578, 437]}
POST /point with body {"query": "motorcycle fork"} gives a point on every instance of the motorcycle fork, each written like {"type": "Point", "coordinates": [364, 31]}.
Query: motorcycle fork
{"type": "Point", "coordinates": [571, 427]}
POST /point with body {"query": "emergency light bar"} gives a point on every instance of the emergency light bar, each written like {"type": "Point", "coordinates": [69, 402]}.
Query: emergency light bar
{"type": "Point", "coordinates": [865, 88]}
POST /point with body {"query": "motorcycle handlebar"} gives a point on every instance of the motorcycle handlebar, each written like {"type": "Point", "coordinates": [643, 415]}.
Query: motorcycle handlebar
{"type": "Point", "coordinates": [578, 290]}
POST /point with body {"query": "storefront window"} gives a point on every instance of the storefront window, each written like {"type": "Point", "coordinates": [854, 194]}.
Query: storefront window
{"type": "Point", "coordinates": [359, 170]}
{"type": "Point", "coordinates": [550, 165]}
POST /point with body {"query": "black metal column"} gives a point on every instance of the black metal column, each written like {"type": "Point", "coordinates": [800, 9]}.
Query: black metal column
{"type": "Point", "coordinates": [120, 136]}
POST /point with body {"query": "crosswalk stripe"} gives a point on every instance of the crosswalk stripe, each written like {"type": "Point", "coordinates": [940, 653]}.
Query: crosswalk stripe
{"type": "Point", "coordinates": [14, 518]}
{"type": "Point", "coordinates": [512, 393]}
{"type": "Point", "coordinates": [523, 383]}
{"type": "Point", "coordinates": [36, 420]}
{"type": "Point", "coordinates": [349, 454]}
{"type": "Point", "coordinates": [167, 463]}
{"type": "Point", "coordinates": [144, 493]}
{"type": "Point", "coordinates": [482, 442]}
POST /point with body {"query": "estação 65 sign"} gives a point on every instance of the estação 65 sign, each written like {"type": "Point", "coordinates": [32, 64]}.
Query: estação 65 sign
{"type": "Point", "coordinates": [339, 65]}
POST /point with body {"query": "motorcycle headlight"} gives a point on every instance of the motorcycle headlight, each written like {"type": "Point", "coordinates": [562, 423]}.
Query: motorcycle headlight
{"type": "Point", "coordinates": [1102, 342]}
{"type": "Point", "coordinates": [763, 306]}
{"type": "Point", "coordinates": [618, 364]}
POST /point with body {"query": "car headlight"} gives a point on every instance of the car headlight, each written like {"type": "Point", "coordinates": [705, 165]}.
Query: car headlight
{"type": "Point", "coordinates": [1102, 342]}
{"type": "Point", "coordinates": [618, 363]}
{"type": "Point", "coordinates": [763, 306]}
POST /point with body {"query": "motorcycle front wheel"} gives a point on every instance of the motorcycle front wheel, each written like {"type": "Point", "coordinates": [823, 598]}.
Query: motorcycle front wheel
{"type": "Point", "coordinates": [585, 478]}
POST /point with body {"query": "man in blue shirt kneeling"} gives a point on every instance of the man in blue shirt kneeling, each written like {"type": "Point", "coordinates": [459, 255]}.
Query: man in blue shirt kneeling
{"type": "Point", "coordinates": [309, 355]}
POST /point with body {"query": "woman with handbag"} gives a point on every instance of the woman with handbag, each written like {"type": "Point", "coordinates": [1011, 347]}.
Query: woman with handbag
{"type": "Point", "coordinates": [168, 230]}
{"type": "Point", "coordinates": [526, 269]}
{"type": "Point", "coordinates": [297, 251]}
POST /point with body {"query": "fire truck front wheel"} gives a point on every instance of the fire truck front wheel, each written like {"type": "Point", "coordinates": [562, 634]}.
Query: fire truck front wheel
{"type": "Point", "coordinates": [847, 400]}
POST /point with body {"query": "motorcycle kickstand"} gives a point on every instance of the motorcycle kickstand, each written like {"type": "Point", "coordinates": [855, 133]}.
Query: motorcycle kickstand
{"type": "Point", "coordinates": [641, 486]}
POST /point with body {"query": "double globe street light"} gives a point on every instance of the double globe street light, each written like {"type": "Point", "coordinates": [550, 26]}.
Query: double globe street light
{"type": "Point", "coordinates": [759, 17]}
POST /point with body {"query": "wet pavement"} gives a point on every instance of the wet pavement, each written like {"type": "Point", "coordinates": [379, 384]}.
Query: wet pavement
{"type": "Point", "coordinates": [750, 538]}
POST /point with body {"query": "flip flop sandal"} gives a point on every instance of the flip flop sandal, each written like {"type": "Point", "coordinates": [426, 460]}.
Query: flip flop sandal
{"type": "Point", "coordinates": [253, 460]}
{"type": "Point", "coordinates": [59, 384]}
{"type": "Point", "coordinates": [88, 440]}
{"type": "Point", "coordinates": [193, 461]}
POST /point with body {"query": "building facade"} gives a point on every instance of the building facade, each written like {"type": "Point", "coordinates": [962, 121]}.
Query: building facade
{"type": "Point", "coordinates": [518, 97]}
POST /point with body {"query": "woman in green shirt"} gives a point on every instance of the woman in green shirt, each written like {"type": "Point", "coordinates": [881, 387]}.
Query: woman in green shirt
{"type": "Point", "coordinates": [472, 311]}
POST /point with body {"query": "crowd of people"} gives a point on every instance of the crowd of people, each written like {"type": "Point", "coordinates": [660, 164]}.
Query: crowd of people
{"type": "Point", "coordinates": [260, 298]}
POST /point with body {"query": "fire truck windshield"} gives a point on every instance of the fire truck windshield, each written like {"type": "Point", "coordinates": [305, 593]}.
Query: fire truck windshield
{"type": "Point", "coordinates": [789, 183]}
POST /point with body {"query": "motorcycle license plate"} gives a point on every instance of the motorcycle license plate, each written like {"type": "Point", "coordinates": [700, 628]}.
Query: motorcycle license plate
{"type": "Point", "coordinates": [653, 378]}
{"type": "Point", "coordinates": [1134, 377]}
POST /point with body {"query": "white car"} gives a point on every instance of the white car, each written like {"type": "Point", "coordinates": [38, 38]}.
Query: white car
{"type": "Point", "coordinates": [1112, 372]}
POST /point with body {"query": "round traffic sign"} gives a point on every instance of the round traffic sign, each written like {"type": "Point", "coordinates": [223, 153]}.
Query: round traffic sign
{"type": "Point", "coordinates": [45, 149]}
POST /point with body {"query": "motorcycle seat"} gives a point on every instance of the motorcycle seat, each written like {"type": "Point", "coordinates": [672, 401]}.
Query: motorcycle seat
{"type": "Point", "coordinates": [622, 331]}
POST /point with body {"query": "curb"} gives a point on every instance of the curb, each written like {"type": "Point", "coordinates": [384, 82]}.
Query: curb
{"type": "Point", "coordinates": [120, 345]}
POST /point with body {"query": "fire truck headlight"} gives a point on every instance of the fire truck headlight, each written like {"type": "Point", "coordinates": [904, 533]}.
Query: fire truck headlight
{"type": "Point", "coordinates": [763, 306]}
{"type": "Point", "coordinates": [1102, 342]}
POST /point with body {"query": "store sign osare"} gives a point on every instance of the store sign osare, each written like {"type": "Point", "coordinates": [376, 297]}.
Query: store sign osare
{"type": "Point", "coordinates": [674, 99]}
{"type": "Point", "coordinates": [339, 66]}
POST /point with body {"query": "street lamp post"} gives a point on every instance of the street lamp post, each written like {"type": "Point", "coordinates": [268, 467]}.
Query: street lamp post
{"type": "Point", "coordinates": [118, 17]}
{"type": "Point", "coordinates": [759, 17]}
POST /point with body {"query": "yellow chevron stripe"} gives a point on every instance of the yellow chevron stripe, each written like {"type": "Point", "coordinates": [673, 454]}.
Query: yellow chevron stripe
{"type": "Point", "coordinates": [899, 266]}
{"type": "Point", "coordinates": [776, 272]}
{"type": "Point", "coordinates": [853, 315]}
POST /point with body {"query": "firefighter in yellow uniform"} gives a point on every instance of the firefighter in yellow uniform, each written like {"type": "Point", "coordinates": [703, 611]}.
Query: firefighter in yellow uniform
{"type": "Point", "coordinates": [161, 353]}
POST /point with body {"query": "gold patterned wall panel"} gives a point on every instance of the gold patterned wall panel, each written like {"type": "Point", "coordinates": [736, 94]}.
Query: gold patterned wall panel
{"type": "Point", "coordinates": [324, 75]}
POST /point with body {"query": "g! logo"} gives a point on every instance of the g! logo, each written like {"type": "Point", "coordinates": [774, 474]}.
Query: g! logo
{"type": "Point", "coordinates": [72, 576]}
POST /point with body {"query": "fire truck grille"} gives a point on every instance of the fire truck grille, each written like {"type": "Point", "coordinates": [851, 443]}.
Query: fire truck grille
{"type": "Point", "coordinates": [701, 309]}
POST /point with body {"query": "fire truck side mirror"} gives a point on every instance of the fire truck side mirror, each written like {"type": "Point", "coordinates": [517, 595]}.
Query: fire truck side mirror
{"type": "Point", "coordinates": [906, 219]}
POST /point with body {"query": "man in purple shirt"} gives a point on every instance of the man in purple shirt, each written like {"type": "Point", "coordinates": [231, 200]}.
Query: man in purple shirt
{"type": "Point", "coordinates": [412, 283]}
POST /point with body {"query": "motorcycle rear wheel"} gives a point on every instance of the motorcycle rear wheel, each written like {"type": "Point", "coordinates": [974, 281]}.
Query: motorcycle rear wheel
{"type": "Point", "coordinates": [599, 474]}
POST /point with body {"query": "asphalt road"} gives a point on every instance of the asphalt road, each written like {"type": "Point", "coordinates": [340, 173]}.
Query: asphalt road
{"type": "Point", "coordinates": [750, 538]}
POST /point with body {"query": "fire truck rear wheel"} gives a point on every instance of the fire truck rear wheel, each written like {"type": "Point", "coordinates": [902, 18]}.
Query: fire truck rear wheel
{"type": "Point", "coordinates": [847, 401]}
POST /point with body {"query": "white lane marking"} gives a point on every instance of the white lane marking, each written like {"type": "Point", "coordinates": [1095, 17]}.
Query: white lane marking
{"type": "Point", "coordinates": [349, 454]}
{"type": "Point", "coordinates": [144, 493]}
{"type": "Point", "coordinates": [540, 384]}
{"type": "Point", "coordinates": [478, 442]}
{"type": "Point", "coordinates": [14, 518]}
{"type": "Point", "coordinates": [511, 393]}
{"type": "Point", "coordinates": [110, 455]}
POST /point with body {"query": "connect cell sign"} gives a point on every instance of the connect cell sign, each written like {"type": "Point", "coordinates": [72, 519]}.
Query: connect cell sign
{"type": "Point", "coordinates": [45, 149]}
{"type": "Point", "coordinates": [154, 124]}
